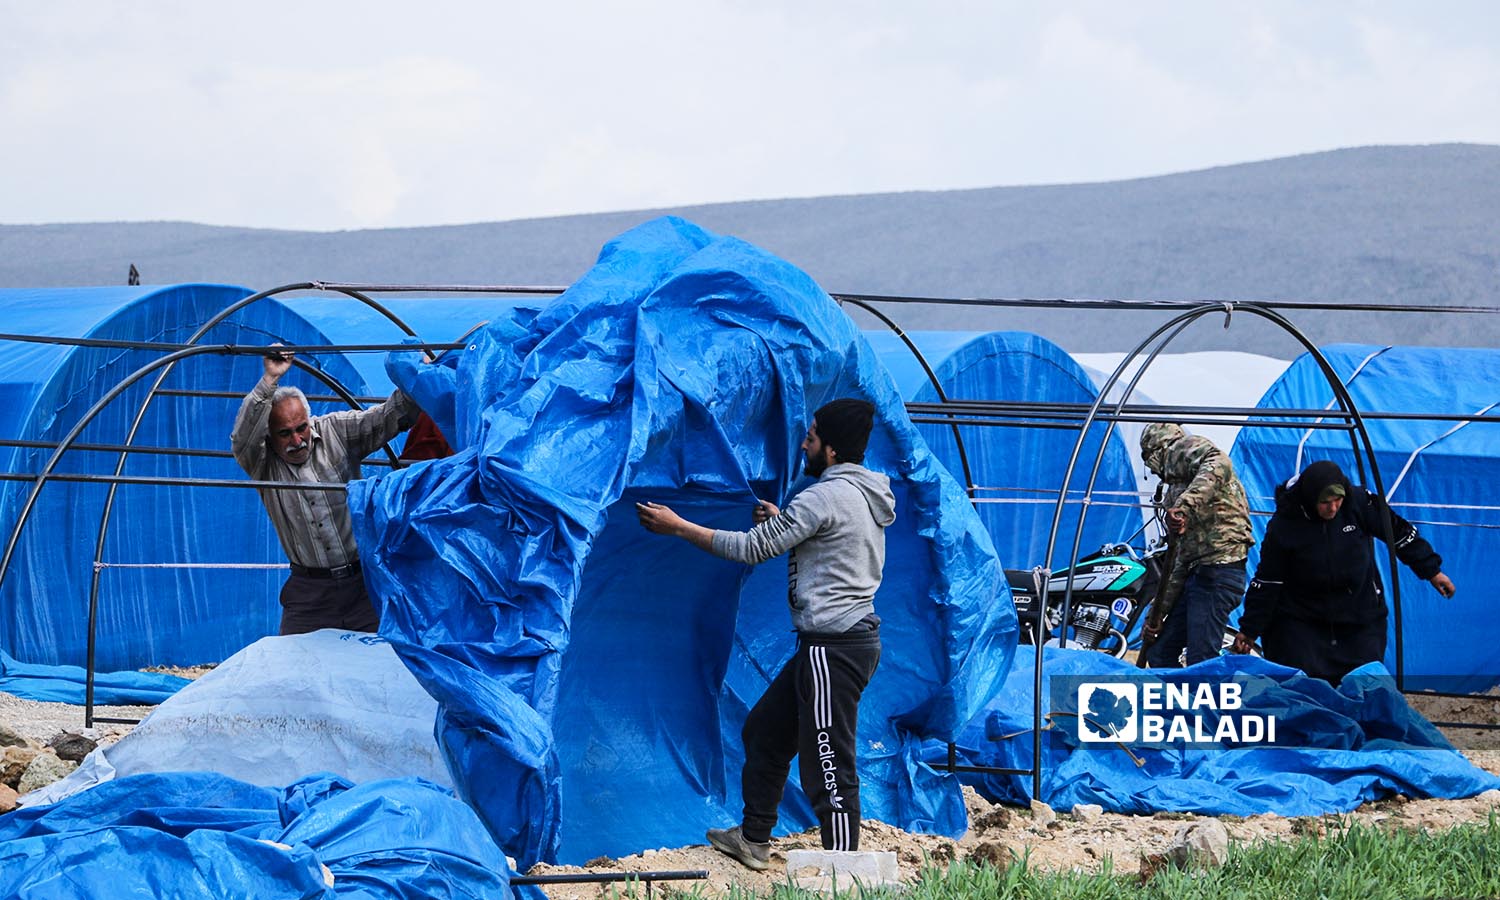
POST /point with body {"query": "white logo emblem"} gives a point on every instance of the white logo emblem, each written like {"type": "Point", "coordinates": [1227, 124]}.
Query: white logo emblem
{"type": "Point", "coordinates": [1107, 712]}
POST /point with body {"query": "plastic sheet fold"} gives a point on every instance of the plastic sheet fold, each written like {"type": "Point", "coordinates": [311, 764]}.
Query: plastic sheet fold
{"type": "Point", "coordinates": [190, 835]}
{"type": "Point", "coordinates": [592, 677]}
{"type": "Point", "coordinates": [1335, 748]}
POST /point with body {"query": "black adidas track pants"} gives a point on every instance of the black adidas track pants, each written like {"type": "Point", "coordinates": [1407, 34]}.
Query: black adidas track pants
{"type": "Point", "coordinates": [811, 710]}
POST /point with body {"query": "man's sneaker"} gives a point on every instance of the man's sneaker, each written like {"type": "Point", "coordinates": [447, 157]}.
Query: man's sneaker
{"type": "Point", "coordinates": [730, 842]}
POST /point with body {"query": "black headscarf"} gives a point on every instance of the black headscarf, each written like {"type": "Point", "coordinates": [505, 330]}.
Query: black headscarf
{"type": "Point", "coordinates": [1309, 486]}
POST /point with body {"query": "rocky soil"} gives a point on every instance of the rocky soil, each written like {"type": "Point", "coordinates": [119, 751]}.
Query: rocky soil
{"type": "Point", "coordinates": [1084, 839]}
{"type": "Point", "coordinates": [1064, 839]}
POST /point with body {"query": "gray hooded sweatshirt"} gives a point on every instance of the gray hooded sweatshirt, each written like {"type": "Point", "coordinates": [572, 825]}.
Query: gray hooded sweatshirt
{"type": "Point", "coordinates": [835, 531]}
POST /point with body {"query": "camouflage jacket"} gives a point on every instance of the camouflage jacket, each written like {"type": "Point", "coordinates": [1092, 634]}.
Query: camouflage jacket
{"type": "Point", "coordinates": [1201, 482]}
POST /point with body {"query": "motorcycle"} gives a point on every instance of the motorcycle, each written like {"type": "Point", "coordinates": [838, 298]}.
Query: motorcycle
{"type": "Point", "coordinates": [1111, 590]}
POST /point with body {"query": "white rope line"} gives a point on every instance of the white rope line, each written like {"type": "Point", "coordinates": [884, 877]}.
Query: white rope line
{"type": "Point", "coordinates": [1331, 403]}
{"type": "Point", "coordinates": [1039, 501]}
{"type": "Point", "coordinates": [105, 565]}
{"type": "Point", "coordinates": [1053, 491]}
{"type": "Point", "coordinates": [1390, 491]}
{"type": "Point", "coordinates": [1425, 505]}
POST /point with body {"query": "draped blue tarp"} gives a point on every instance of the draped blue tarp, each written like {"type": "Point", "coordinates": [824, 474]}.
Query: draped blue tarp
{"type": "Point", "coordinates": [146, 615]}
{"type": "Point", "coordinates": [1018, 468]}
{"type": "Point", "coordinates": [592, 678]}
{"type": "Point", "coordinates": [1334, 749]}
{"type": "Point", "coordinates": [1442, 476]}
{"type": "Point", "coordinates": [202, 835]}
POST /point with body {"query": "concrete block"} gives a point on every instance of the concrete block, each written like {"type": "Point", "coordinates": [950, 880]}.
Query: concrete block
{"type": "Point", "coordinates": [822, 870]}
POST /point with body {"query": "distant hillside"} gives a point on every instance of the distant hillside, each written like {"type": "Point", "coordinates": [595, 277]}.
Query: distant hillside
{"type": "Point", "coordinates": [1415, 225]}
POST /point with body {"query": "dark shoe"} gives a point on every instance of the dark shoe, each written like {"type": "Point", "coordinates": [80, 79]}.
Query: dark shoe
{"type": "Point", "coordinates": [749, 854]}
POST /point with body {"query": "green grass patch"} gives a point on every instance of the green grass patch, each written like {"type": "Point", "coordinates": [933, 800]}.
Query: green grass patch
{"type": "Point", "coordinates": [1350, 862]}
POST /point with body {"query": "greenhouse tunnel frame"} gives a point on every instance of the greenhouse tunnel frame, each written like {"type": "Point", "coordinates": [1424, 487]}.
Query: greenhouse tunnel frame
{"type": "Point", "coordinates": [951, 412]}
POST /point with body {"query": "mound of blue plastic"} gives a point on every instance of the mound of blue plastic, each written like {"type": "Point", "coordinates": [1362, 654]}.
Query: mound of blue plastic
{"type": "Point", "coordinates": [1334, 748]}
{"type": "Point", "coordinates": [198, 834]}
{"type": "Point", "coordinates": [591, 677]}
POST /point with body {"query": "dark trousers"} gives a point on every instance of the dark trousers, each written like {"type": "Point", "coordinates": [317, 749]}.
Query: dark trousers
{"type": "Point", "coordinates": [1326, 650]}
{"type": "Point", "coordinates": [1198, 620]}
{"type": "Point", "coordinates": [811, 710]}
{"type": "Point", "coordinates": [308, 604]}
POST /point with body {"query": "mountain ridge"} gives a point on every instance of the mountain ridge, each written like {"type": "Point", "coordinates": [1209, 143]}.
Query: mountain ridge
{"type": "Point", "coordinates": [1385, 224]}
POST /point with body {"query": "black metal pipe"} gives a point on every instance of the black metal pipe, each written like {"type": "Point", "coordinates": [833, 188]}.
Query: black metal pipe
{"type": "Point", "coordinates": [198, 334]}
{"type": "Point", "coordinates": [1162, 305]}
{"type": "Point", "coordinates": [163, 480]}
{"type": "Point", "coordinates": [540, 289]}
{"type": "Point", "coordinates": [1044, 408]}
{"type": "Point", "coordinates": [1066, 422]}
{"type": "Point", "coordinates": [93, 412]}
{"type": "Point", "coordinates": [608, 877]}
{"type": "Point", "coordinates": [115, 448]}
{"type": "Point", "coordinates": [144, 449]}
{"type": "Point", "coordinates": [306, 349]}
{"type": "Point", "coordinates": [937, 387]}
{"type": "Point", "coordinates": [1035, 302]}
{"type": "Point", "coordinates": [240, 395]}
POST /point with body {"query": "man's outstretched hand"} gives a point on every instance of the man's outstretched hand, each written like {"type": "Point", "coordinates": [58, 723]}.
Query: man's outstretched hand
{"type": "Point", "coordinates": [662, 520]}
{"type": "Point", "coordinates": [659, 519]}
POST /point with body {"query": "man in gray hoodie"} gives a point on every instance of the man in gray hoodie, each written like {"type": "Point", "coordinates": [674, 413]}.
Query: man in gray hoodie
{"type": "Point", "coordinates": [835, 532]}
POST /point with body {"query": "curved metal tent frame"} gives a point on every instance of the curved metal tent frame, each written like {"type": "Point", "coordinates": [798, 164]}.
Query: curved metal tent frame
{"type": "Point", "coordinates": [166, 364]}
{"type": "Point", "coordinates": [948, 412]}
{"type": "Point", "coordinates": [140, 415]}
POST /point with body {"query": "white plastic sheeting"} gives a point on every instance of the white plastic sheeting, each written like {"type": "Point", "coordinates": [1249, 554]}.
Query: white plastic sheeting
{"type": "Point", "coordinates": [280, 710]}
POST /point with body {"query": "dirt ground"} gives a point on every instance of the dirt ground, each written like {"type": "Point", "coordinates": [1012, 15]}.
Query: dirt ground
{"type": "Point", "coordinates": [999, 833]}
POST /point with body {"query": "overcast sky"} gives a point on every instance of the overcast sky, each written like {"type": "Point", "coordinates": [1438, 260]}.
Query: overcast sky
{"type": "Point", "coordinates": [315, 115]}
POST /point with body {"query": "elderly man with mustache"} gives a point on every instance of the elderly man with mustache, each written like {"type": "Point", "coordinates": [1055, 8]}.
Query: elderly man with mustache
{"type": "Point", "coordinates": [276, 438]}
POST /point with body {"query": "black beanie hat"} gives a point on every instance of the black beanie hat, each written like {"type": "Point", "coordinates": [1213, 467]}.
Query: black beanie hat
{"type": "Point", "coordinates": [845, 426]}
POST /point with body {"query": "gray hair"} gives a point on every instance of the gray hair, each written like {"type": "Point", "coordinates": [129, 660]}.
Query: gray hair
{"type": "Point", "coordinates": [290, 393]}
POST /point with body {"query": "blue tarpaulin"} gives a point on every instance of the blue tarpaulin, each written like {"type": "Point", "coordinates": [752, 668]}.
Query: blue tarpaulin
{"type": "Point", "coordinates": [155, 615]}
{"type": "Point", "coordinates": [1018, 468]}
{"type": "Point", "coordinates": [1442, 476]}
{"type": "Point", "coordinates": [1333, 749]}
{"type": "Point", "coordinates": [67, 684]}
{"type": "Point", "coordinates": [203, 835]}
{"type": "Point", "coordinates": [592, 677]}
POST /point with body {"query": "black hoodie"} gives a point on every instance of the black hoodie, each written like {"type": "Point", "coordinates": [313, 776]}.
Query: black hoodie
{"type": "Point", "coordinates": [1325, 571]}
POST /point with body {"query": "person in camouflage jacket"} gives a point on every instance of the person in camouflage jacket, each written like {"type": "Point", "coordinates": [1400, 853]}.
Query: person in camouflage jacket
{"type": "Point", "coordinates": [1208, 521]}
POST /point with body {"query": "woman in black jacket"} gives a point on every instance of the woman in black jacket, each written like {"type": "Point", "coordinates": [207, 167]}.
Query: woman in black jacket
{"type": "Point", "coordinates": [1316, 601]}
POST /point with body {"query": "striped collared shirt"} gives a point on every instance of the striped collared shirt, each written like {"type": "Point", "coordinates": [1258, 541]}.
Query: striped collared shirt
{"type": "Point", "coordinates": [314, 526]}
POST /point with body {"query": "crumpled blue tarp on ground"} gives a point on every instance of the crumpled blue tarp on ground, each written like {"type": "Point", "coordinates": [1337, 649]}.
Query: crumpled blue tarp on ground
{"type": "Point", "coordinates": [67, 684]}
{"type": "Point", "coordinates": [1335, 748]}
{"type": "Point", "coordinates": [201, 834]}
{"type": "Point", "coordinates": [593, 677]}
